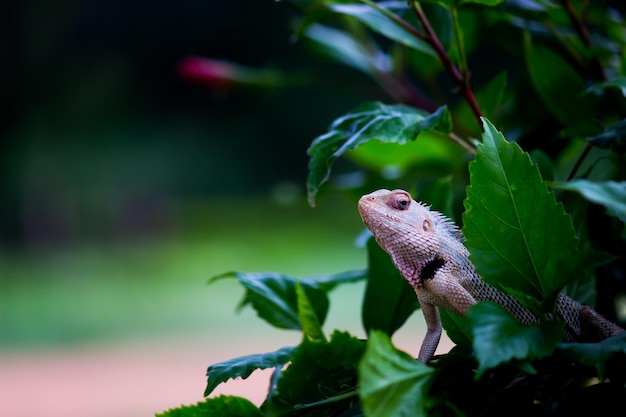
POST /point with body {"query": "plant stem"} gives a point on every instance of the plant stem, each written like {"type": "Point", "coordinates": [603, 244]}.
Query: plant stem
{"type": "Point", "coordinates": [458, 37]}
{"type": "Point", "coordinates": [465, 144]}
{"type": "Point", "coordinates": [460, 79]}
{"type": "Point", "coordinates": [397, 19]}
{"type": "Point", "coordinates": [330, 400]}
{"type": "Point", "coordinates": [578, 162]}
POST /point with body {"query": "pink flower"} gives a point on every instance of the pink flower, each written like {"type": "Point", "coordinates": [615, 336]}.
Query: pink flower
{"type": "Point", "coordinates": [218, 75]}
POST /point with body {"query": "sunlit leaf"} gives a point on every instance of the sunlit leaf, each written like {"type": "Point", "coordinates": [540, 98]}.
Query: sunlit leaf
{"type": "Point", "coordinates": [499, 338]}
{"type": "Point", "coordinates": [610, 194]}
{"type": "Point", "coordinates": [243, 366]}
{"type": "Point", "coordinates": [306, 314]}
{"type": "Point", "coordinates": [340, 46]}
{"type": "Point", "coordinates": [222, 406]}
{"type": "Point", "coordinates": [520, 239]}
{"type": "Point", "coordinates": [389, 300]}
{"type": "Point", "coordinates": [380, 22]}
{"type": "Point", "coordinates": [371, 121]}
{"type": "Point", "coordinates": [392, 383]}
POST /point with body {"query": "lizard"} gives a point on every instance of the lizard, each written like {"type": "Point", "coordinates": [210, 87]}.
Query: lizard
{"type": "Point", "coordinates": [427, 248]}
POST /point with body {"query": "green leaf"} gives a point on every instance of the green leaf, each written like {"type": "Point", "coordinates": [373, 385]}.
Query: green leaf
{"type": "Point", "coordinates": [618, 82]}
{"type": "Point", "coordinates": [378, 19]}
{"type": "Point", "coordinates": [385, 287]}
{"type": "Point", "coordinates": [499, 338]}
{"type": "Point", "coordinates": [520, 239]}
{"type": "Point", "coordinates": [307, 317]}
{"type": "Point", "coordinates": [319, 370]}
{"type": "Point", "coordinates": [340, 46]}
{"type": "Point", "coordinates": [610, 194]}
{"type": "Point", "coordinates": [392, 383]}
{"type": "Point", "coordinates": [457, 328]}
{"type": "Point", "coordinates": [613, 137]}
{"type": "Point", "coordinates": [560, 87]}
{"type": "Point", "coordinates": [243, 366]}
{"type": "Point", "coordinates": [222, 406]}
{"type": "Point", "coordinates": [373, 120]}
{"type": "Point", "coordinates": [274, 297]}
{"type": "Point", "coordinates": [490, 98]}
{"type": "Point", "coordinates": [595, 354]}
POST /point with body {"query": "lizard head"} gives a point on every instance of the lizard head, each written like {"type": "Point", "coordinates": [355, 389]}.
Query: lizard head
{"type": "Point", "coordinates": [416, 238]}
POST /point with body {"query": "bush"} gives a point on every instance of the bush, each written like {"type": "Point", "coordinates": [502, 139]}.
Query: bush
{"type": "Point", "coordinates": [543, 207]}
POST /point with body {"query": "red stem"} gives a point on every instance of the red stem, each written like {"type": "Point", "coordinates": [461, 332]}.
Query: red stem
{"type": "Point", "coordinates": [459, 79]}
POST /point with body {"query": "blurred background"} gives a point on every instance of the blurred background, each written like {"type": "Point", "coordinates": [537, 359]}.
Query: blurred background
{"type": "Point", "coordinates": [126, 183]}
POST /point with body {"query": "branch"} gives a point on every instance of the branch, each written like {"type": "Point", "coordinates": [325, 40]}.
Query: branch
{"type": "Point", "coordinates": [596, 64]}
{"type": "Point", "coordinates": [460, 79]}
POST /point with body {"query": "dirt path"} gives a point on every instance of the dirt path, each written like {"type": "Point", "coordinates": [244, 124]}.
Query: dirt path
{"type": "Point", "coordinates": [132, 379]}
{"type": "Point", "coordinates": [120, 380]}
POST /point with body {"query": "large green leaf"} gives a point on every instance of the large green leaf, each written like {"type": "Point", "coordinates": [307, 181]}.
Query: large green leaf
{"type": "Point", "coordinates": [610, 194]}
{"type": "Point", "coordinates": [371, 121]}
{"type": "Point", "coordinates": [243, 366]}
{"type": "Point", "coordinates": [392, 383]}
{"type": "Point", "coordinates": [381, 22]}
{"type": "Point", "coordinates": [222, 406]}
{"type": "Point", "coordinates": [520, 239]}
{"type": "Point", "coordinates": [275, 299]}
{"type": "Point", "coordinates": [389, 300]}
{"type": "Point", "coordinates": [319, 370]}
{"type": "Point", "coordinates": [595, 354]}
{"type": "Point", "coordinates": [560, 87]}
{"type": "Point", "coordinates": [499, 338]}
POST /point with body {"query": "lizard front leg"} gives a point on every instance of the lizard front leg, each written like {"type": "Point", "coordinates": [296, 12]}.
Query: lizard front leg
{"type": "Point", "coordinates": [433, 331]}
{"type": "Point", "coordinates": [441, 291]}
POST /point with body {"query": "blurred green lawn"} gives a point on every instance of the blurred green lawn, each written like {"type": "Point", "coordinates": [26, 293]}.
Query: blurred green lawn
{"type": "Point", "coordinates": [93, 292]}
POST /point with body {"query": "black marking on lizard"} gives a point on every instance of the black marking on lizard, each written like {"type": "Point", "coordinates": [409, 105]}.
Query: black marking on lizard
{"type": "Point", "coordinates": [430, 269]}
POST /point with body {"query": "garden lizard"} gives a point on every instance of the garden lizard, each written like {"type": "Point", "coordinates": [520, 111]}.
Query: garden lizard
{"type": "Point", "coordinates": [427, 248]}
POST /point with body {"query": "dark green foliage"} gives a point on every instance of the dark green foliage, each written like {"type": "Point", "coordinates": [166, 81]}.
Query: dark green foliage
{"type": "Point", "coordinates": [243, 366]}
{"type": "Point", "coordinates": [223, 406]}
{"type": "Point", "coordinates": [550, 76]}
{"type": "Point", "coordinates": [320, 371]}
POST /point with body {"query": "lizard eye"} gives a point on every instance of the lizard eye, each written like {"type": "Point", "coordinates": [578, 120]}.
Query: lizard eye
{"type": "Point", "coordinates": [401, 202]}
{"type": "Point", "coordinates": [426, 225]}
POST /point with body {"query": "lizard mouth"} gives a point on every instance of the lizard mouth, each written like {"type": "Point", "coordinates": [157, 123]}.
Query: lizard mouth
{"type": "Point", "coordinates": [430, 268]}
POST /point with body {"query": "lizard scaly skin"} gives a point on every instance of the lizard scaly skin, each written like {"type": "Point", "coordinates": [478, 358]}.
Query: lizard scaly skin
{"type": "Point", "coordinates": [428, 250]}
